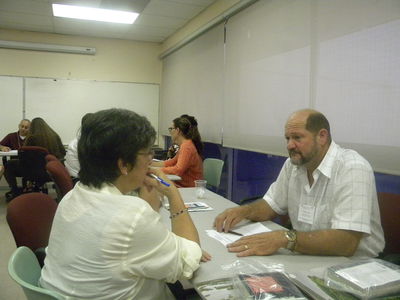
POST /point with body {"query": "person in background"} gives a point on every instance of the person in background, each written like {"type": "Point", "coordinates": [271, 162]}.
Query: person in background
{"type": "Point", "coordinates": [174, 148]}
{"type": "Point", "coordinates": [187, 163]}
{"type": "Point", "coordinates": [105, 243]}
{"type": "Point", "coordinates": [329, 193]}
{"type": "Point", "coordinates": [71, 158]}
{"type": "Point", "coordinates": [14, 141]}
{"type": "Point", "coordinates": [40, 134]}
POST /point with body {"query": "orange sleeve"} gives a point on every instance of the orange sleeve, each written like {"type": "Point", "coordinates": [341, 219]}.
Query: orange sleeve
{"type": "Point", "coordinates": [181, 162]}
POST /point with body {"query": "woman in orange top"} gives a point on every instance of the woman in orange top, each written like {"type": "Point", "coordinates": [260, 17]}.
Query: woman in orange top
{"type": "Point", "coordinates": [188, 163]}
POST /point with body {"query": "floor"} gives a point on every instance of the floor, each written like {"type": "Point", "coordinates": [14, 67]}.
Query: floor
{"type": "Point", "coordinates": [9, 290]}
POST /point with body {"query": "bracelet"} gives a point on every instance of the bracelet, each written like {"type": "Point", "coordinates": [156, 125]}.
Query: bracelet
{"type": "Point", "coordinates": [178, 213]}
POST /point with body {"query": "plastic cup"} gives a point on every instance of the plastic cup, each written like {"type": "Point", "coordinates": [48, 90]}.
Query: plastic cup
{"type": "Point", "coordinates": [200, 188]}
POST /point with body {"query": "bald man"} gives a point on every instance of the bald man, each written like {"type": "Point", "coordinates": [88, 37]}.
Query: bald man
{"type": "Point", "coordinates": [328, 192]}
{"type": "Point", "coordinates": [15, 140]}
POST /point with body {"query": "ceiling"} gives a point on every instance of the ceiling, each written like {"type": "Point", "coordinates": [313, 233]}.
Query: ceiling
{"type": "Point", "coordinates": [158, 19]}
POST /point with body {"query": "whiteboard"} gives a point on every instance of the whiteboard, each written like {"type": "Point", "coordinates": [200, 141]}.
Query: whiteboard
{"type": "Point", "coordinates": [62, 103]}
{"type": "Point", "coordinates": [11, 104]}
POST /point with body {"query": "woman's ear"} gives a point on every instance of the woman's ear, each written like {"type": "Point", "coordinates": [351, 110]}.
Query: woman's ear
{"type": "Point", "coordinates": [123, 168]}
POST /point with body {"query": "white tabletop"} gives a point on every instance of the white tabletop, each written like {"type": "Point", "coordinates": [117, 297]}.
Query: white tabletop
{"type": "Point", "coordinates": [9, 153]}
{"type": "Point", "coordinates": [220, 256]}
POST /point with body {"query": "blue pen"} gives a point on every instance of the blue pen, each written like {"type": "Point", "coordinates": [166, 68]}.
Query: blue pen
{"type": "Point", "coordinates": [159, 179]}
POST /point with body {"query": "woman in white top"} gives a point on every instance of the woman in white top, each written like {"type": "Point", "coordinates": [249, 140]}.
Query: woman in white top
{"type": "Point", "coordinates": [106, 244]}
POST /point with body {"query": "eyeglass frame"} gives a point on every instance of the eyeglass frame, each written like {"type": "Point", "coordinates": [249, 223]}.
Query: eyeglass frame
{"type": "Point", "coordinates": [171, 128]}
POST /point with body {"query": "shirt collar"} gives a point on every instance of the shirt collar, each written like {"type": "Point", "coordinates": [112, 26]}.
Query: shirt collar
{"type": "Point", "coordinates": [106, 188]}
{"type": "Point", "coordinates": [325, 167]}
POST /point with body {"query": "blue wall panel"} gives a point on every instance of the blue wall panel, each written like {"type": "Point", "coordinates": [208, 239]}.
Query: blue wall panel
{"type": "Point", "coordinates": [252, 173]}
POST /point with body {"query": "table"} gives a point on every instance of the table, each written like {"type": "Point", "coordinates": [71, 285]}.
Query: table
{"type": "Point", "coordinates": [9, 153]}
{"type": "Point", "coordinates": [220, 256]}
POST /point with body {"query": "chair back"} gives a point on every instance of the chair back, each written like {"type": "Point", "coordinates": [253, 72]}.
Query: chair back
{"type": "Point", "coordinates": [389, 206]}
{"type": "Point", "coordinates": [212, 170]}
{"type": "Point", "coordinates": [30, 217]}
{"type": "Point", "coordinates": [33, 164]}
{"type": "Point", "coordinates": [59, 173]}
{"type": "Point", "coordinates": [24, 268]}
{"type": "Point", "coordinates": [50, 157]}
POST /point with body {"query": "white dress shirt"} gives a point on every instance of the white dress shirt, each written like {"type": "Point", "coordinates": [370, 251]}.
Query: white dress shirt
{"type": "Point", "coordinates": [343, 196]}
{"type": "Point", "coordinates": [71, 158]}
{"type": "Point", "coordinates": [105, 245]}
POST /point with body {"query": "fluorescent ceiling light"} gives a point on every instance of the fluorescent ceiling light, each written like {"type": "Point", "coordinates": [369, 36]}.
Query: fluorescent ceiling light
{"type": "Point", "coordinates": [94, 14]}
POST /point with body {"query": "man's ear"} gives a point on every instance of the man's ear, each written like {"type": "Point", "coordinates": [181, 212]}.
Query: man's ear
{"type": "Point", "coordinates": [322, 137]}
{"type": "Point", "coordinates": [123, 168]}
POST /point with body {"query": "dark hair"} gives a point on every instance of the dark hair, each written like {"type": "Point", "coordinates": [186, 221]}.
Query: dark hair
{"type": "Point", "coordinates": [41, 134]}
{"type": "Point", "coordinates": [191, 119]}
{"type": "Point", "coordinates": [317, 121]}
{"type": "Point", "coordinates": [107, 136]}
{"type": "Point", "coordinates": [188, 126]}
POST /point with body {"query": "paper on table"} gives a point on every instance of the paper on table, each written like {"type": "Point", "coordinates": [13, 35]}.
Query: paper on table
{"type": "Point", "coordinates": [222, 237]}
{"type": "Point", "coordinates": [194, 206]}
{"type": "Point", "coordinates": [249, 229]}
{"type": "Point", "coordinates": [227, 238]}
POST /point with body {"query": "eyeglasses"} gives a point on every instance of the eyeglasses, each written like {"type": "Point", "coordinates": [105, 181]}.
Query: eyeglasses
{"type": "Point", "coordinates": [149, 153]}
{"type": "Point", "coordinates": [171, 128]}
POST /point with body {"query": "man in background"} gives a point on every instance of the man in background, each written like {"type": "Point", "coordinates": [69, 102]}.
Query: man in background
{"type": "Point", "coordinates": [15, 140]}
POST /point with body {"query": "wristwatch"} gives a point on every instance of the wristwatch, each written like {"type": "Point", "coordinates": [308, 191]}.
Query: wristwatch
{"type": "Point", "coordinates": [291, 236]}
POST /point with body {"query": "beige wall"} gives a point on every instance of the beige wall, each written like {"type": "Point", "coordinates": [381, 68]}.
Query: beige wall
{"type": "Point", "coordinates": [115, 60]}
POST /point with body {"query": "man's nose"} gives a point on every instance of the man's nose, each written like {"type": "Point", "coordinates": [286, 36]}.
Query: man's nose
{"type": "Point", "coordinates": [290, 144]}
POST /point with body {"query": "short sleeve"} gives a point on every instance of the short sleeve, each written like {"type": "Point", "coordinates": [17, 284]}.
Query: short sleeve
{"type": "Point", "coordinates": [277, 194]}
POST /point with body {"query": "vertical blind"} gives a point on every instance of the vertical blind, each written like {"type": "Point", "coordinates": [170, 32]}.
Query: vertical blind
{"type": "Point", "coordinates": [191, 84]}
{"type": "Point", "coordinates": [340, 57]}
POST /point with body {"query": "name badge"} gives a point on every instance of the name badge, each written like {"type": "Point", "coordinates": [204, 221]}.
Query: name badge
{"type": "Point", "coordinates": [306, 213]}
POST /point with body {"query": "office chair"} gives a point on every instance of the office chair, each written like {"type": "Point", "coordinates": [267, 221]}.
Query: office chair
{"type": "Point", "coordinates": [30, 217]}
{"type": "Point", "coordinates": [24, 269]}
{"type": "Point", "coordinates": [50, 157]}
{"type": "Point", "coordinates": [389, 207]}
{"type": "Point", "coordinates": [33, 167]}
{"type": "Point", "coordinates": [212, 170]}
{"type": "Point", "coordinates": [59, 173]}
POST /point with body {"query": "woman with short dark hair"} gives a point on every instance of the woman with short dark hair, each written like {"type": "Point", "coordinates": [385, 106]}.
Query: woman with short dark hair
{"type": "Point", "coordinates": [105, 243]}
{"type": "Point", "coordinates": [188, 162]}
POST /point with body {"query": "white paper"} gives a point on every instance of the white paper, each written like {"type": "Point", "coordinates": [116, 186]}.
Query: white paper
{"type": "Point", "coordinates": [250, 229]}
{"type": "Point", "coordinates": [194, 206]}
{"type": "Point", "coordinates": [245, 230]}
{"type": "Point", "coordinates": [369, 274]}
{"type": "Point", "coordinates": [222, 237]}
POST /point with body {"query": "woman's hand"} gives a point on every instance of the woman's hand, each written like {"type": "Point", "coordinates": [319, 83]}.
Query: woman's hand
{"type": "Point", "coordinates": [160, 187]}
{"type": "Point", "coordinates": [205, 256]}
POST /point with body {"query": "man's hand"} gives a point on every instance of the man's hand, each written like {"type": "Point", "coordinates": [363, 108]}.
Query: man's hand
{"type": "Point", "coordinates": [259, 244]}
{"type": "Point", "coordinates": [230, 217]}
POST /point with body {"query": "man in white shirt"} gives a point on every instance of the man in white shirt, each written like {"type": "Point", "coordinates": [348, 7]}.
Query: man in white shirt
{"type": "Point", "coordinates": [329, 193]}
